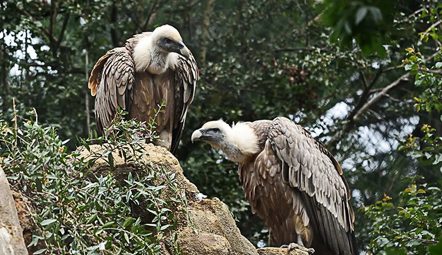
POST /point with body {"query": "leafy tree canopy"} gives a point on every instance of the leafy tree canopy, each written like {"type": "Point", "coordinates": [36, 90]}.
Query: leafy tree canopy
{"type": "Point", "coordinates": [363, 76]}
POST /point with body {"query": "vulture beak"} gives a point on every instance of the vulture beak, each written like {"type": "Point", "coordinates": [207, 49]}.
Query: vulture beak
{"type": "Point", "coordinates": [209, 135]}
{"type": "Point", "coordinates": [184, 51]}
{"type": "Point", "coordinates": [196, 135]}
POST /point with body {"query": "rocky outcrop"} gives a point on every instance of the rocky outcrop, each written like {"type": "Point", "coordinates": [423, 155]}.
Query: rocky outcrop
{"type": "Point", "coordinates": [11, 237]}
{"type": "Point", "coordinates": [208, 227]}
{"type": "Point", "coordinates": [205, 226]}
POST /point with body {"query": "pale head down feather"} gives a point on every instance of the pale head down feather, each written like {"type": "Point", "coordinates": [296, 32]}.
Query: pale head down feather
{"type": "Point", "coordinates": [147, 54]}
{"type": "Point", "coordinates": [240, 135]}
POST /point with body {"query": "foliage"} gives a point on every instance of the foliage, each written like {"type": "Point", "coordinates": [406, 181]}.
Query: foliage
{"type": "Point", "coordinates": [79, 211]}
{"type": "Point", "coordinates": [413, 223]}
{"type": "Point", "coordinates": [368, 22]}
{"type": "Point", "coordinates": [428, 78]}
{"type": "Point", "coordinates": [258, 60]}
{"type": "Point", "coordinates": [408, 226]}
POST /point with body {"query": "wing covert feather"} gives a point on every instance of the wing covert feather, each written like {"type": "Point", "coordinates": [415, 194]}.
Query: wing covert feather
{"type": "Point", "coordinates": [184, 77]}
{"type": "Point", "coordinates": [309, 167]}
{"type": "Point", "coordinates": [111, 81]}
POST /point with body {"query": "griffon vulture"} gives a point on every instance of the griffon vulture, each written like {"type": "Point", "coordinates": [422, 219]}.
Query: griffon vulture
{"type": "Point", "coordinates": [290, 180]}
{"type": "Point", "coordinates": [152, 69]}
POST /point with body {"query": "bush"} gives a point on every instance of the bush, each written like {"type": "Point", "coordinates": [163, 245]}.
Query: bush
{"type": "Point", "coordinates": [409, 226]}
{"type": "Point", "coordinates": [78, 211]}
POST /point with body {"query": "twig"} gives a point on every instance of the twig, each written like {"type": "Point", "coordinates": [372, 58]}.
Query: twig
{"type": "Point", "coordinates": [298, 49]}
{"type": "Point", "coordinates": [431, 71]}
{"type": "Point", "coordinates": [14, 119]}
{"type": "Point", "coordinates": [432, 26]}
{"type": "Point", "coordinates": [364, 79]}
{"type": "Point", "coordinates": [86, 95]}
{"type": "Point", "coordinates": [36, 115]}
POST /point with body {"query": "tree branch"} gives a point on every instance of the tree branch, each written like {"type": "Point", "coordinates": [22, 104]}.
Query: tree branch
{"type": "Point", "coordinates": [113, 20]}
{"type": "Point", "coordinates": [365, 95]}
{"type": "Point", "coordinates": [208, 8]}
{"type": "Point", "coordinates": [150, 16]}
{"type": "Point", "coordinates": [298, 49]}
{"type": "Point", "coordinates": [364, 105]}
{"type": "Point", "coordinates": [379, 95]}
{"type": "Point", "coordinates": [63, 29]}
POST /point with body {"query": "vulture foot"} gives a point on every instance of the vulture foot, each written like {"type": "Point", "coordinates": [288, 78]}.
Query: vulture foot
{"type": "Point", "coordinates": [293, 246]}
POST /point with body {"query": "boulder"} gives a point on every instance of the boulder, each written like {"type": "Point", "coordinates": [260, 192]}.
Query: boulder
{"type": "Point", "coordinates": [11, 237]}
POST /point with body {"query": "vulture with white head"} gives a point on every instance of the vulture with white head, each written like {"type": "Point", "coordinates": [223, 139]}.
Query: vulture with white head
{"type": "Point", "coordinates": [151, 69]}
{"type": "Point", "coordinates": [291, 182]}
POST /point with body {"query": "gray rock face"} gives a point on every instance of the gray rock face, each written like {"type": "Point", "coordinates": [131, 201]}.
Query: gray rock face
{"type": "Point", "coordinates": [11, 237]}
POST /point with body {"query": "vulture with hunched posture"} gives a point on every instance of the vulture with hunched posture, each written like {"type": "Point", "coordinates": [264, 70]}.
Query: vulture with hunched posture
{"type": "Point", "coordinates": [152, 69]}
{"type": "Point", "coordinates": [291, 182]}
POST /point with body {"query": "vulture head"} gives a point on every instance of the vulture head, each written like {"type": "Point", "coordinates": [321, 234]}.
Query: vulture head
{"type": "Point", "coordinates": [237, 142]}
{"type": "Point", "coordinates": [168, 39]}
{"type": "Point", "coordinates": [159, 50]}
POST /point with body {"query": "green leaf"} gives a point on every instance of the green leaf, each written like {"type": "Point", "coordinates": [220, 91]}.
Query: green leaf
{"type": "Point", "coordinates": [41, 251]}
{"type": "Point", "coordinates": [47, 222]}
{"type": "Point", "coordinates": [437, 248]}
{"type": "Point", "coordinates": [438, 159]}
{"type": "Point", "coordinates": [395, 251]}
{"type": "Point", "coordinates": [360, 14]}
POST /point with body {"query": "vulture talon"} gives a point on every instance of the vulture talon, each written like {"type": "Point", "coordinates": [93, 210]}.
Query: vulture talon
{"type": "Point", "coordinates": [293, 246]}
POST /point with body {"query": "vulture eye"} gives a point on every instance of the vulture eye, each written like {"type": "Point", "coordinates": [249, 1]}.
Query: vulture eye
{"type": "Point", "coordinates": [215, 130]}
{"type": "Point", "coordinates": [167, 40]}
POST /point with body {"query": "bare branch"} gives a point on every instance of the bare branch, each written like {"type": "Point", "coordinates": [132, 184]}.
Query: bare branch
{"type": "Point", "coordinates": [379, 96]}
{"type": "Point", "coordinates": [431, 71]}
{"type": "Point", "coordinates": [208, 8]}
{"type": "Point", "coordinates": [364, 105]}
{"type": "Point", "coordinates": [63, 30]}
{"type": "Point", "coordinates": [150, 16]}
{"type": "Point", "coordinates": [298, 49]}
{"type": "Point", "coordinates": [363, 79]}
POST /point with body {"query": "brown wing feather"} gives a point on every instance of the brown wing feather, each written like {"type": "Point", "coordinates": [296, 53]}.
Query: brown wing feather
{"type": "Point", "coordinates": [111, 81]}
{"type": "Point", "coordinates": [308, 167]}
{"type": "Point", "coordinates": [184, 77]}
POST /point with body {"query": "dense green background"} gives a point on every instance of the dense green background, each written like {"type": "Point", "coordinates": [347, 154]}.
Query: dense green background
{"type": "Point", "coordinates": [363, 76]}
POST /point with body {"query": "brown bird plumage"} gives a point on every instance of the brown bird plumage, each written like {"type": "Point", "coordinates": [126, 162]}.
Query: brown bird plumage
{"type": "Point", "coordinates": [291, 182]}
{"type": "Point", "coordinates": [152, 69]}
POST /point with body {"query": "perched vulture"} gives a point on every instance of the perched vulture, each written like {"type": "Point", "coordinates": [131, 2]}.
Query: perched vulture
{"type": "Point", "coordinates": [290, 180]}
{"type": "Point", "coordinates": [152, 69]}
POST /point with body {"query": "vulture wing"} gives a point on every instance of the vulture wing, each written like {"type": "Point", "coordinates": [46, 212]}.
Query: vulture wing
{"type": "Point", "coordinates": [310, 168]}
{"type": "Point", "coordinates": [111, 81]}
{"type": "Point", "coordinates": [184, 78]}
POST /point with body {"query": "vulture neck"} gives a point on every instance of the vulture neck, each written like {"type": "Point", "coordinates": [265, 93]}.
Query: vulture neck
{"type": "Point", "coordinates": [149, 57]}
{"type": "Point", "coordinates": [240, 144]}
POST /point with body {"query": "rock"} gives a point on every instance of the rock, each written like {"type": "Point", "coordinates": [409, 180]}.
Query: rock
{"type": "Point", "coordinates": [280, 251]}
{"type": "Point", "coordinates": [153, 155]}
{"type": "Point", "coordinates": [11, 237]}
{"type": "Point", "coordinates": [24, 211]}
{"type": "Point", "coordinates": [213, 216]}
{"type": "Point", "coordinates": [194, 242]}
